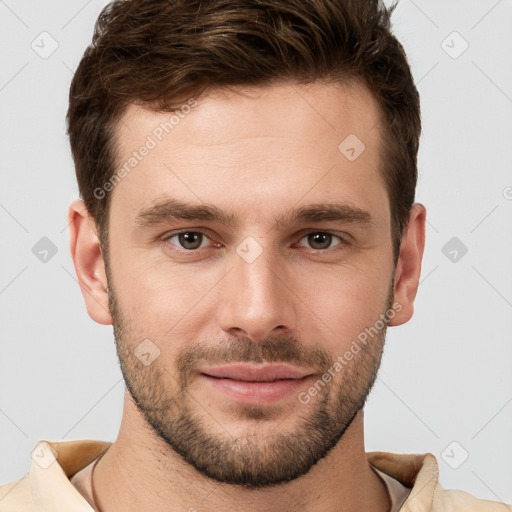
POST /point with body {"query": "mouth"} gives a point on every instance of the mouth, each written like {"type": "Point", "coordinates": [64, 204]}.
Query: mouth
{"type": "Point", "coordinates": [252, 373]}
{"type": "Point", "coordinates": [252, 384]}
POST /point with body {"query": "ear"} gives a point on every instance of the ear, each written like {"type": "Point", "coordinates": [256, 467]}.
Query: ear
{"type": "Point", "coordinates": [408, 268]}
{"type": "Point", "coordinates": [88, 260]}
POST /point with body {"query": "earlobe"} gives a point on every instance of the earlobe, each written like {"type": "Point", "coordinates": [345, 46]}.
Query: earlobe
{"type": "Point", "coordinates": [88, 261]}
{"type": "Point", "coordinates": [408, 268]}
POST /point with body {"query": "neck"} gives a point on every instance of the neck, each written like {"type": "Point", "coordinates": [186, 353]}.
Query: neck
{"type": "Point", "coordinates": [141, 472]}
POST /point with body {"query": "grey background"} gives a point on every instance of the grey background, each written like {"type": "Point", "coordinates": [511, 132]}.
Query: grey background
{"type": "Point", "coordinates": [446, 375]}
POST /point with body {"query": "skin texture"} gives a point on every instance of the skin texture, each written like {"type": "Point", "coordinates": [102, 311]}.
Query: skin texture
{"type": "Point", "coordinates": [258, 154]}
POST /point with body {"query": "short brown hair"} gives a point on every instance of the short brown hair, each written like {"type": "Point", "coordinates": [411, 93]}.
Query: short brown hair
{"type": "Point", "coordinates": [151, 52]}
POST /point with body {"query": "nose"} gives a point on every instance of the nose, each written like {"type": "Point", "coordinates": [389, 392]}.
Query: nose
{"type": "Point", "coordinates": [257, 298]}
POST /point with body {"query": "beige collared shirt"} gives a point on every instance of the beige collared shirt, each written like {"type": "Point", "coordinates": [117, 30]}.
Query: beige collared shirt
{"type": "Point", "coordinates": [397, 492]}
{"type": "Point", "coordinates": [48, 486]}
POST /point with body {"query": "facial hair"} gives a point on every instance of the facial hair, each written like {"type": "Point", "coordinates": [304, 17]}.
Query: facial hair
{"type": "Point", "coordinates": [251, 459]}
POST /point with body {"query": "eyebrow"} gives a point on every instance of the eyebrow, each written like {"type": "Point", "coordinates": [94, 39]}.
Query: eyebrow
{"type": "Point", "coordinates": [170, 209]}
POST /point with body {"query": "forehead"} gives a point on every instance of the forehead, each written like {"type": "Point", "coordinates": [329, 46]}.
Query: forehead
{"type": "Point", "coordinates": [254, 148]}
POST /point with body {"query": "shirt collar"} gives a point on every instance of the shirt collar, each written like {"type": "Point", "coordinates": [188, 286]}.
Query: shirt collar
{"type": "Point", "coordinates": [418, 472]}
{"type": "Point", "coordinates": [54, 463]}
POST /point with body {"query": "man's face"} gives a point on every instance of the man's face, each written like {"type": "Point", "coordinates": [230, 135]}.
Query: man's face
{"type": "Point", "coordinates": [263, 285]}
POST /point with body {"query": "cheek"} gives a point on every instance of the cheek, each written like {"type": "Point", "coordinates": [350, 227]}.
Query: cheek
{"type": "Point", "coordinates": [349, 300]}
{"type": "Point", "coordinates": [164, 300]}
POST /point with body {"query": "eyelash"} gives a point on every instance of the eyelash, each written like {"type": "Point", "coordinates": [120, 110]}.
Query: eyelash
{"type": "Point", "coordinates": [168, 237]}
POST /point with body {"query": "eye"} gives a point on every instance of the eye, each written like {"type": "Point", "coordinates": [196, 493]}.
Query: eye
{"type": "Point", "coordinates": [188, 240]}
{"type": "Point", "coordinates": [194, 240]}
{"type": "Point", "coordinates": [320, 240]}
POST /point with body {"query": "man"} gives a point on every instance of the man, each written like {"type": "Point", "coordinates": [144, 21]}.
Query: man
{"type": "Point", "coordinates": [247, 225]}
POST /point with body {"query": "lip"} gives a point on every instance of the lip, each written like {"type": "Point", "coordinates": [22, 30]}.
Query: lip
{"type": "Point", "coordinates": [252, 373]}
{"type": "Point", "coordinates": [256, 385]}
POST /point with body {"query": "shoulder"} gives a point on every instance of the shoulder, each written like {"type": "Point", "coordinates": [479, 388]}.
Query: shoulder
{"type": "Point", "coordinates": [16, 496]}
{"type": "Point", "coordinates": [461, 501]}
{"type": "Point", "coordinates": [420, 473]}
{"type": "Point", "coordinates": [47, 485]}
